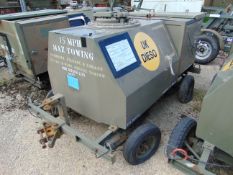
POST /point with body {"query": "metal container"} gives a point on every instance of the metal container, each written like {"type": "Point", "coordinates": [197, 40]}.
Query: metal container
{"type": "Point", "coordinates": [113, 74]}
{"type": "Point", "coordinates": [216, 111]}
{"type": "Point", "coordinates": [25, 40]}
{"type": "Point", "coordinates": [183, 29]}
{"type": "Point", "coordinates": [193, 143]}
{"type": "Point", "coordinates": [113, 70]}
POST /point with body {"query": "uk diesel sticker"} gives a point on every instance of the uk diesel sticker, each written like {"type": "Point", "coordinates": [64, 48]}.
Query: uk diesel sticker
{"type": "Point", "coordinates": [147, 50]}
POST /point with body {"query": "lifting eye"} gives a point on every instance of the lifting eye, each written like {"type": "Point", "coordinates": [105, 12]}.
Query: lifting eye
{"type": "Point", "coordinates": [181, 152]}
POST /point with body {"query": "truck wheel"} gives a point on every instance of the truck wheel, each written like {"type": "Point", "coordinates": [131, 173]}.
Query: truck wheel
{"type": "Point", "coordinates": [185, 93]}
{"type": "Point", "coordinates": [184, 130]}
{"type": "Point", "coordinates": [142, 143]}
{"type": "Point", "coordinates": [207, 48]}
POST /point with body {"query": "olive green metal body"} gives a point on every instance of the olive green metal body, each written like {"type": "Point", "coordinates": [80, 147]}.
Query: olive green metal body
{"type": "Point", "coordinates": [182, 27]}
{"type": "Point", "coordinates": [214, 126]}
{"type": "Point", "coordinates": [81, 66]}
{"type": "Point", "coordinates": [215, 121]}
{"type": "Point", "coordinates": [24, 38]}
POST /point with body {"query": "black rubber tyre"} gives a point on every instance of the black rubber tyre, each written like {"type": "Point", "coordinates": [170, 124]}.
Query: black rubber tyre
{"type": "Point", "coordinates": [180, 133]}
{"type": "Point", "coordinates": [185, 93]}
{"type": "Point", "coordinates": [142, 143]}
{"type": "Point", "coordinates": [207, 49]}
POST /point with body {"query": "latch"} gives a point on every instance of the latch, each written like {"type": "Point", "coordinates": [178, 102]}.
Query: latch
{"type": "Point", "coordinates": [169, 58]}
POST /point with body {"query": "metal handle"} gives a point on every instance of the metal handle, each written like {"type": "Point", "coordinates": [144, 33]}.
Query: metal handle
{"type": "Point", "coordinates": [34, 52]}
{"type": "Point", "coordinates": [169, 58]}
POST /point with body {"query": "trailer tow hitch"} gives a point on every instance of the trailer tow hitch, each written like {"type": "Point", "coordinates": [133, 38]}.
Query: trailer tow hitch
{"type": "Point", "coordinates": [54, 126]}
{"type": "Point", "coordinates": [49, 133]}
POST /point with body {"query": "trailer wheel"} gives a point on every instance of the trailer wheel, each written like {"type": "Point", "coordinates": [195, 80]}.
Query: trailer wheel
{"type": "Point", "coordinates": [183, 131]}
{"type": "Point", "coordinates": [185, 93]}
{"type": "Point", "coordinates": [142, 143]}
{"type": "Point", "coordinates": [207, 48]}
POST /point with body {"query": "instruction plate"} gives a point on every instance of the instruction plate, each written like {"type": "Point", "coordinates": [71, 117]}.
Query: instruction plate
{"type": "Point", "coordinates": [120, 54]}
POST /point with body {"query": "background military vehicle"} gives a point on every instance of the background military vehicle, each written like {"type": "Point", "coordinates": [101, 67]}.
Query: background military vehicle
{"type": "Point", "coordinates": [24, 40]}
{"type": "Point", "coordinates": [193, 144]}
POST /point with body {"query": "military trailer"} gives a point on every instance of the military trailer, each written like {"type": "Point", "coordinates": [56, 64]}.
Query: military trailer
{"type": "Point", "coordinates": [24, 40]}
{"type": "Point", "coordinates": [207, 44]}
{"type": "Point", "coordinates": [112, 71]}
{"type": "Point", "coordinates": [193, 144]}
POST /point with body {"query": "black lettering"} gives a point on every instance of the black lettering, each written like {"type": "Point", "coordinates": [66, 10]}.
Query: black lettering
{"type": "Point", "coordinates": [143, 58]}
{"type": "Point", "coordinates": [144, 44]}
{"type": "Point", "coordinates": [154, 52]}
{"type": "Point", "coordinates": [148, 55]}
{"type": "Point", "coordinates": [151, 55]}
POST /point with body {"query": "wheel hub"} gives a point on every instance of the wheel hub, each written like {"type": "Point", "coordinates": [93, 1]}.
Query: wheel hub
{"type": "Point", "coordinates": [145, 147]}
{"type": "Point", "coordinates": [204, 50]}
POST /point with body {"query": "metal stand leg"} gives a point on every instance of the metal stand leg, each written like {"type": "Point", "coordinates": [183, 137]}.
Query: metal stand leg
{"type": "Point", "coordinates": [208, 148]}
{"type": "Point", "coordinates": [9, 64]}
{"type": "Point", "coordinates": [193, 169]}
{"type": "Point", "coordinates": [63, 110]}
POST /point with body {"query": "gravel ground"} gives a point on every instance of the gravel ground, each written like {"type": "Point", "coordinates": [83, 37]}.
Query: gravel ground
{"type": "Point", "coordinates": [20, 152]}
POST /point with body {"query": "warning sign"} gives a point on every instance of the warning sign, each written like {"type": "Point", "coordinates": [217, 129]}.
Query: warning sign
{"type": "Point", "coordinates": [147, 50]}
{"type": "Point", "coordinates": [228, 66]}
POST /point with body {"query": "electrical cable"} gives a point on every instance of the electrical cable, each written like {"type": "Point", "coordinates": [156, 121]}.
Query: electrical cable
{"type": "Point", "coordinates": [182, 151]}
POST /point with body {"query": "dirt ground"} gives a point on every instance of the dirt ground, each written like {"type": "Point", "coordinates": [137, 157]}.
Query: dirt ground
{"type": "Point", "coordinates": [21, 153]}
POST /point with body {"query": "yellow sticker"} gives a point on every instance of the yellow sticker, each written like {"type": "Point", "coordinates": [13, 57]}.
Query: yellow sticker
{"type": "Point", "coordinates": [147, 50]}
{"type": "Point", "coordinates": [228, 66]}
